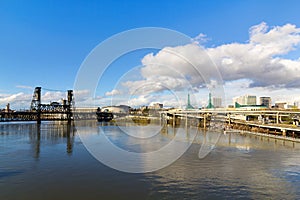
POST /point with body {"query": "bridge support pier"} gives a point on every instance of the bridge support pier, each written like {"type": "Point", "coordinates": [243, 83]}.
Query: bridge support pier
{"type": "Point", "coordinates": [284, 133]}
{"type": "Point", "coordinates": [38, 117]}
{"type": "Point", "coordinates": [174, 120]}
{"type": "Point", "coordinates": [204, 121]}
{"type": "Point", "coordinates": [186, 121]}
{"type": "Point", "coordinates": [199, 122]}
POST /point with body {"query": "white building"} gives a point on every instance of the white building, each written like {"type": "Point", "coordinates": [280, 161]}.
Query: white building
{"type": "Point", "coordinates": [245, 100]}
{"type": "Point", "coordinates": [217, 102]}
{"type": "Point", "coordinates": [281, 104]}
{"type": "Point", "coordinates": [239, 100]}
{"type": "Point", "coordinates": [85, 109]}
{"type": "Point", "coordinates": [116, 109]}
{"type": "Point", "coordinates": [156, 106]}
{"type": "Point", "coordinates": [265, 101]}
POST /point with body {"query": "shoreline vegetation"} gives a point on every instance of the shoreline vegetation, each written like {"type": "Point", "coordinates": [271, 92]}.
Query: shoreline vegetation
{"type": "Point", "coordinates": [143, 120]}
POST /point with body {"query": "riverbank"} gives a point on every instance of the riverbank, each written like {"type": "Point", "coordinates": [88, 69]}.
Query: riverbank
{"type": "Point", "coordinates": [279, 137]}
{"type": "Point", "coordinates": [137, 119]}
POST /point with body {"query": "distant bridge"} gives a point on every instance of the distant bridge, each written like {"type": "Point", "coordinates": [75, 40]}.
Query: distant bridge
{"type": "Point", "coordinates": [267, 121]}
{"type": "Point", "coordinates": [224, 113]}
{"type": "Point", "coordinates": [52, 111]}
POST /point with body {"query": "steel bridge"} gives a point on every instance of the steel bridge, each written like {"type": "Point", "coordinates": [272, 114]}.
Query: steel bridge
{"type": "Point", "coordinates": [39, 111]}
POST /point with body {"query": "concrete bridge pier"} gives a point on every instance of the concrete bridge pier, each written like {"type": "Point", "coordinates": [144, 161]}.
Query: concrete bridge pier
{"type": "Point", "coordinates": [204, 121]}
{"type": "Point", "coordinates": [186, 120]}
{"type": "Point", "coordinates": [284, 133]}
{"type": "Point", "coordinates": [174, 120]}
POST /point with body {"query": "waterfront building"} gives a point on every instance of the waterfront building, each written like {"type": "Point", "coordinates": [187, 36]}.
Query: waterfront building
{"type": "Point", "coordinates": [249, 107]}
{"type": "Point", "coordinates": [116, 109]}
{"type": "Point", "coordinates": [245, 100]}
{"type": "Point", "coordinates": [230, 106]}
{"type": "Point", "coordinates": [86, 109]}
{"type": "Point", "coordinates": [284, 105]}
{"type": "Point", "coordinates": [239, 100]}
{"type": "Point", "coordinates": [280, 105]}
{"type": "Point", "coordinates": [217, 102]}
{"type": "Point", "coordinates": [156, 106]}
{"type": "Point", "coordinates": [144, 108]}
{"type": "Point", "coordinates": [265, 101]}
{"type": "Point", "coordinates": [7, 109]}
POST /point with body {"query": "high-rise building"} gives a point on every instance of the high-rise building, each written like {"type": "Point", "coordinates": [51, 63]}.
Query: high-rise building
{"type": "Point", "coordinates": [217, 102]}
{"type": "Point", "coordinates": [245, 100]}
{"type": "Point", "coordinates": [156, 106]}
{"type": "Point", "coordinates": [240, 100]}
{"type": "Point", "coordinates": [265, 101]}
{"type": "Point", "coordinates": [250, 100]}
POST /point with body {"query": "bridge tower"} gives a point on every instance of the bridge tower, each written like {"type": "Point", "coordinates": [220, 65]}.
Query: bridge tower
{"type": "Point", "coordinates": [70, 98]}
{"type": "Point", "coordinates": [70, 104]}
{"type": "Point", "coordinates": [53, 108]}
{"type": "Point", "coordinates": [189, 105]}
{"type": "Point", "coordinates": [36, 103]}
{"type": "Point", "coordinates": [210, 105]}
{"type": "Point", "coordinates": [36, 99]}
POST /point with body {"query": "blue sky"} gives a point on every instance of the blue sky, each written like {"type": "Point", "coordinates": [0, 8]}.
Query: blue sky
{"type": "Point", "coordinates": [43, 43]}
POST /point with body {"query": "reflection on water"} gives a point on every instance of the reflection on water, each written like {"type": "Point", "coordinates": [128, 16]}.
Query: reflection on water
{"type": "Point", "coordinates": [49, 161]}
{"type": "Point", "coordinates": [35, 134]}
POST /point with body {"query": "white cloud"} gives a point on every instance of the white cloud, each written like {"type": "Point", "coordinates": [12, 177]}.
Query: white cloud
{"type": "Point", "coordinates": [258, 60]}
{"type": "Point", "coordinates": [113, 93]}
{"type": "Point", "coordinates": [168, 100]}
{"type": "Point", "coordinates": [18, 100]}
{"type": "Point", "coordinates": [276, 41]}
{"type": "Point", "coordinates": [23, 100]}
{"type": "Point", "coordinates": [25, 87]}
{"type": "Point", "coordinates": [53, 96]}
{"type": "Point", "coordinates": [84, 98]}
{"type": "Point", "coordinates": [178, 68]}
{"type": "Point", "coordinates": [261, 59]}
{"type": "Point", "coordinates": [200, 39]}
{"type": "Point", "coordinates": [260, 63]}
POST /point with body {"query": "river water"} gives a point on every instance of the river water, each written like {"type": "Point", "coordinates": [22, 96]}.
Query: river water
{"type": "Point", "coordinates": [50, 161]}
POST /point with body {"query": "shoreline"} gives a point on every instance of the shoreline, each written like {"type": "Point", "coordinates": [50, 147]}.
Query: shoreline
{"type": "Point", "coordinates": [279, 137]}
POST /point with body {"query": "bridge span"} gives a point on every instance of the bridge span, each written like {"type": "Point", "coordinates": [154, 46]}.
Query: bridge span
{"type": "Point", "coordinates": [283, 123]}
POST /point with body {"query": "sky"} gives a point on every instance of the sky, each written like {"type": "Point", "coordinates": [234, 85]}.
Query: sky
{"type": "Point", "coordinates": [254, 44]}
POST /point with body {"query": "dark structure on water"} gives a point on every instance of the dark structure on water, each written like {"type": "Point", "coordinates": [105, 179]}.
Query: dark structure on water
{"type": "Point", "coordinates": [39, 111]}
{"type": "Point", "coordinates": [64, 111]}
{"type": "Point", "coordinates": [104, 116]}
{"type": "Point", "coordinates": [53, 108]}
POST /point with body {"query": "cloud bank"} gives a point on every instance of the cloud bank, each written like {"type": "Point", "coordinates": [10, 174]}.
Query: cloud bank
{"type": "Point", "coordinates": [112, 93]}
{"type": "Point", "coordinates": [262, 61]}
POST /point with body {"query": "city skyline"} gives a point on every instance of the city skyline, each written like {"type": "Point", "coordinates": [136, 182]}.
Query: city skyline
{"type": "Point", "coordinates": [149, 99]}
{"type": "Point", "coordinates": [44, 44]}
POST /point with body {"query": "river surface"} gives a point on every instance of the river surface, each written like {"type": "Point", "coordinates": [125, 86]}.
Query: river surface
{"type": "Point", "coordinates": [50, 161]}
